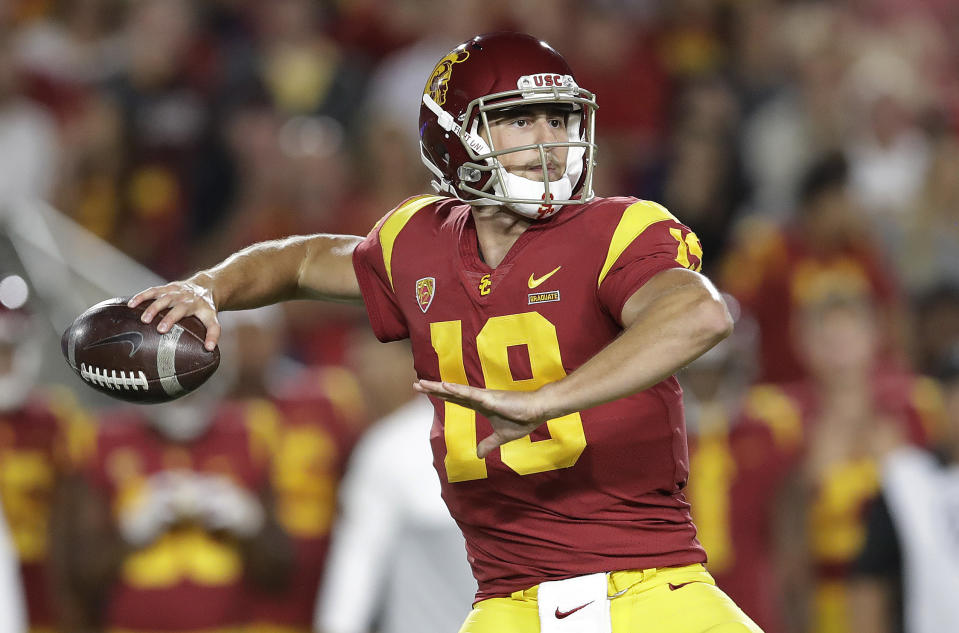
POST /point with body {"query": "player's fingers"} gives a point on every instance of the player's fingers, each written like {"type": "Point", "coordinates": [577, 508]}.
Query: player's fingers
{"type": "Point", "coordinates": [445, 397]}
{"type": "Point", "coordinates": [212, 333]}
{"type": "Point", "coordinates": [142, 296]}
{"type": "Point", "coordinates": [488, 445]}
{"type": "Point", "coordinates": [428, 386]}
{"type": "Point", "coordinates": [160, 302]}
{"type": "Point", "coordinates": [177, 312]}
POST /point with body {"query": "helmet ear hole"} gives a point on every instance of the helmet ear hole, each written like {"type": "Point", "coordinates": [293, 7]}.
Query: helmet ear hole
{"type": "Point", "coordinates": [443, 155]}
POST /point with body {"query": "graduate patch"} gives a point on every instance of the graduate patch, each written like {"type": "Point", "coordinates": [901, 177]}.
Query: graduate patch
{"type": "Point", "coordinates": [543, 297]}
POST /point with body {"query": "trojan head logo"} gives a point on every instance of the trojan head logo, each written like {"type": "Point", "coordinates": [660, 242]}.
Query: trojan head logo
{"type": "Point", "coordinates": [436, 86]}
{"type": "Point", "coordinates": [425, 289]}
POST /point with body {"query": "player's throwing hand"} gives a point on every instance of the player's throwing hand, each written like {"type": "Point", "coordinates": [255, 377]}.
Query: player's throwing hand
{"type": "Point", "coordinates": [183, 298]}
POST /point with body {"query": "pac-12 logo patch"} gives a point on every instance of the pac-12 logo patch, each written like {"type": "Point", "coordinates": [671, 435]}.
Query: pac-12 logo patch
{"type": "Point", "coordinates": [425, 289]}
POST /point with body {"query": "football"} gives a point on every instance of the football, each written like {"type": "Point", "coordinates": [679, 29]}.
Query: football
{"type": "Point", "coordinates": [116, 353]}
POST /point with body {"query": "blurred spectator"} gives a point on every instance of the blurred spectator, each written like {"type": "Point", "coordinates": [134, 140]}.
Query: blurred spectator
{"type": "Point", "coordinates": [924, 238]}
{"type": "Point", "coordinates": [70, 50]}
{"type": "Point", "coordinates": [28, 142]}
{"type": "Point", "coordinates": [702, 180]}
{"type": "Point", "coordinates": [889, 152]}
{"type": "Point", "coordinates": [853, 399]}
{"type": "Point", "coordinates": [170, 154]}
{"type": "Point", "coordinates": [12, 616]}
{"type": "Point", "coordinates": [936, 327]}
{"type": "Point", "coordinates": [173, 514]}
{"type": "Point", "coordinates": [745, 441]}
{"type": "Point", "coordinates": [395, 93]}
{"type": "Point", "coordinates": [397, 563]}
{"type": "Point", "coordinates": [626, 72]}
{"type": "Point", "coordinates": [907, 576]}
{"type": "Point", "coordinates": [775, 271]}
{"type": "Point", "coordinates": [784, 134]}
{"type": "Point", "coordinates": [303, 70]}
{"type": "Point", "coordinates": [316, 415]}
{"type": "Point", "coordinates": [38, 430]}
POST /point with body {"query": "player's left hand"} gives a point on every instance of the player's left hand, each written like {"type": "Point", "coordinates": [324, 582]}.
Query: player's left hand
{"type": "Point", "coordinates": [513, 414]}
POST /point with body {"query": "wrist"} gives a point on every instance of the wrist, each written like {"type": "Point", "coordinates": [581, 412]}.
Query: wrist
{"type": "Point", "coordinates": [550, 402]}
{"type": "Point", "coordinates": [204, 284]}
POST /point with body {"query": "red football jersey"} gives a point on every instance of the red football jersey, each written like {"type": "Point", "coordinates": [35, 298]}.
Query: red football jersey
{"type": "Point", "coordinates": [738, 465]}
{"type": "Point", "coordinates": [188, 579]}
{"type": "Point", "coordinates": [34, 447]}
{"type": "Point", "coordinates": [775, 272]}
{"type": "Point", "coordinates": [843, 492]}
{"type": "Point", "coordinates": [592, 491]}
{"type": "Point", "coordinates": [314, 436]}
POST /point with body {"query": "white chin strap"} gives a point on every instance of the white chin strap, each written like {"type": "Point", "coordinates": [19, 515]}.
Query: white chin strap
{"type": "Point", "coordinates": [510, 185]}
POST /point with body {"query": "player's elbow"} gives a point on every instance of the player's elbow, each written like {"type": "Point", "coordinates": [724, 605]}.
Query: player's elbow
{"type": "Point", "coordinates": [713, 317]}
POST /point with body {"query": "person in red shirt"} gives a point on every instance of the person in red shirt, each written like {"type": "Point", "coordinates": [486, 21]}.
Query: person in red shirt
{"type": "Point", "coordinates": [39, 428]}
{"type": "Point", "coordinates": [853, 400]}
{"type": "Point", "coordinates": [309, 418]}
{"type": "Point", "coordinates": [745, 442]}
{"type": "Point", "coordinates": [172, 516]}
{"type": "Point", "coordinates": [546, 325]}
{"type": "Point", "coordinates": [774, 271]}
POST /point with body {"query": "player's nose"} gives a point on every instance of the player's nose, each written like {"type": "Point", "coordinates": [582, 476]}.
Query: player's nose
{"type": "Point", "coordinates": [544, 131]}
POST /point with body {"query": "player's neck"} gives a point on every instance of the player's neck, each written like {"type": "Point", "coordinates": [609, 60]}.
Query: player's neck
{"type": "Point", "coordinates": [497, 229]}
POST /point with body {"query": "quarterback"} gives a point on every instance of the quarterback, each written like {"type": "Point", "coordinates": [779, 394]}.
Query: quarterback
{"type": "Point", "coordinates": [546, 325]}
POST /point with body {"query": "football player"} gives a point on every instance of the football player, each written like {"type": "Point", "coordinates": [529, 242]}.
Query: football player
{"type": "Point", "coordinates": [38, 429]}
{"type": "Point", "coordinates": [546, 326]}
{"type": "Point", "coordinates": [173, 513]}
{"type": "Point", "coordinates": [745, 441]}
{"type": "Point", "coordinates": [311, 417]}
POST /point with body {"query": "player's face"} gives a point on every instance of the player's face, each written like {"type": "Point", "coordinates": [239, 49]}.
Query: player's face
{"type": "Point", "coordinates": [841, 341]}
{"type": "Point", "coordinates": [529, 126]}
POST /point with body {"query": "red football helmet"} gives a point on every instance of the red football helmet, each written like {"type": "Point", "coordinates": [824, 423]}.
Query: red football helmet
{"type": "Point", "coordinates": [493, 72]}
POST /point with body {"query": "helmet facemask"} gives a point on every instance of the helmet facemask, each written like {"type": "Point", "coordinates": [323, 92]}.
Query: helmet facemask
{"type": "Point", "coordinates": [483, 179]}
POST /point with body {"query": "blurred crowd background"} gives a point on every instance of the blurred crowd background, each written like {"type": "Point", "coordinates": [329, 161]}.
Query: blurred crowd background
{"type": "Point", "coordinates": [811, 145]}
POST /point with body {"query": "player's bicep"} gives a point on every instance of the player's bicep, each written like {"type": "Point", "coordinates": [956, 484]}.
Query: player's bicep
{"type": "Point", "coordinates": [326, 271]}
{"type": "Point", "coordinates": [693, 286]}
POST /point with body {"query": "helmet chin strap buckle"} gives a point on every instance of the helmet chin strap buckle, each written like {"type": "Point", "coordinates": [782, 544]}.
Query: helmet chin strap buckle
{"type": "Point", "coordinates": [468, 174]}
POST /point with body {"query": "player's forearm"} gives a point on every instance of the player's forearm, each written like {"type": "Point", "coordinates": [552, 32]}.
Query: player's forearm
{"type": "Point", "coordinates": [673, 330]}
{"type": "Point", "coordinates": [298, 267]}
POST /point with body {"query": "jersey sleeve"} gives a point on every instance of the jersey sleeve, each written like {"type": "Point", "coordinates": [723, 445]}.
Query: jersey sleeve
{"type": "Point", "coordinates": [373, 262]}
{"type": "Point", "coordinates": [647, 240]}
{"type": "Point", "coordinates": [386, 318]}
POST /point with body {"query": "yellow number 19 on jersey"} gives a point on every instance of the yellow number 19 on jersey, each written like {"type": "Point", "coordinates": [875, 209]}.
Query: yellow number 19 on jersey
{"type": "Point", "coordinates": [524, 456]}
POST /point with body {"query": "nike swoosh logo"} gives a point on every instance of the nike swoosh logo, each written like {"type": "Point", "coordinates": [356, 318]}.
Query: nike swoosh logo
{"type": "Point", "coordinates": [673, 587]}
{"type": "Point", "coordinates": [134, 339]}
{"type": "Point", "coordinates": [533, 281]}
{"type": "Point", "coordinates": [565, 614]}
